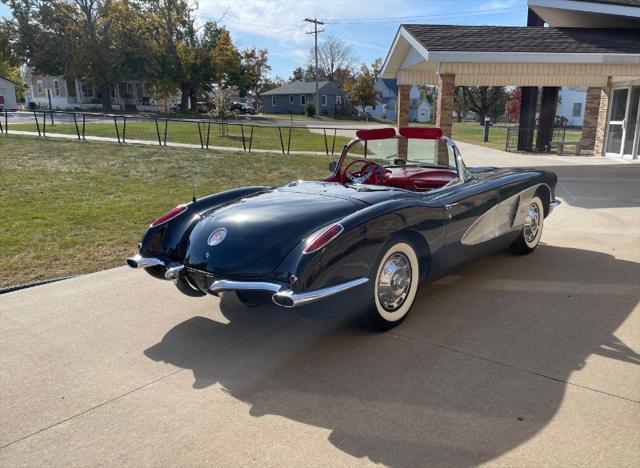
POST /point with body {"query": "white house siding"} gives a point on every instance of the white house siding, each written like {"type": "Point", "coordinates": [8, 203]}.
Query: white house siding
{"type": "Point", "coordinates": [8, 92]}
{"type": "Point", "coordinates": [572, 98]}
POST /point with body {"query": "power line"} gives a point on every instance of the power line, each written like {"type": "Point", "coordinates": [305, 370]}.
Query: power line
{"type": "Point", "coordinates": [416, 17]}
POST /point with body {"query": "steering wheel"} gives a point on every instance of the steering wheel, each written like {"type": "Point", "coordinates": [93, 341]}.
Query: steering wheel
{"type": "Point", "coordinates": [371, 172]}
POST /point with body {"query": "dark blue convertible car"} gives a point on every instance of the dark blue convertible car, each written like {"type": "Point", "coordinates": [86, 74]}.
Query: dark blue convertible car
{"type": "Point", "coordinates": [399, 208]}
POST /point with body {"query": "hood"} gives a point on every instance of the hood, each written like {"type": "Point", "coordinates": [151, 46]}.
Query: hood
{"type": "Point", "coordinates": [263, 228]}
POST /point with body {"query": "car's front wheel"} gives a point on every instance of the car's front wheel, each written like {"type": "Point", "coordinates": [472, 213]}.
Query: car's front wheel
{"type": "Point", "coordinates": [531, 233]}
{"type": "Point", "coordinates": [395, 283]}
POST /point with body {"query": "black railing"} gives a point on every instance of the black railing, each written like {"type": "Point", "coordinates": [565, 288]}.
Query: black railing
{"type": "Point", "coordinates": [518, 138]}
{"type": "Point", "coordinates": [162, 127]}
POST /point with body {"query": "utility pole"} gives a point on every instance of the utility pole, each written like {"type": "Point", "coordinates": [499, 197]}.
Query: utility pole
{"type": "Point", "coordinates": [315, 33]}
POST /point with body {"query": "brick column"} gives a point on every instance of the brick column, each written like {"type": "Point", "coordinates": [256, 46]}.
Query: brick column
{"type": "Point", "coordinates": [603, 111]}
{"type": "Point", "coordinates": [403, 117]}
{"type": "Point", "coordinates": [590, 123]}
{"type": "Point", "coordinates": [444, 112]}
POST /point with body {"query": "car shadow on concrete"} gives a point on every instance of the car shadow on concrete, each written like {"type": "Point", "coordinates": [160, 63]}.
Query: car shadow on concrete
{"type": "Point", "coordinates": [477, 369]}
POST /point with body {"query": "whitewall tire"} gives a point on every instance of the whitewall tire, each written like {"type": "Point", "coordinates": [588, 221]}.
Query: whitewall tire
{"type": "Point", "coordinates": [395, 284]}
{"type": "Point", "coordinates": [531, 232]}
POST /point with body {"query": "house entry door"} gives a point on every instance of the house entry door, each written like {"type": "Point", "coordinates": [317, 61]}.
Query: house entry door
{"type": "Point", "coordinates": [623, 133]}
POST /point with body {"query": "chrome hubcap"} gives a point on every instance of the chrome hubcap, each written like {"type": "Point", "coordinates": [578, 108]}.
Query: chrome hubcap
{"type": "Point", "coordinates": [394, 281]}
{"type": "Point", "coordinates": [532, 223]}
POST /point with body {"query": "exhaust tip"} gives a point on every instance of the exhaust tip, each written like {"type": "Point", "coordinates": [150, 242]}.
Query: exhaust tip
{"type": "Point", "coordinates": [283, 300]}
{"type": "Point", "coordinates": [132, 263]}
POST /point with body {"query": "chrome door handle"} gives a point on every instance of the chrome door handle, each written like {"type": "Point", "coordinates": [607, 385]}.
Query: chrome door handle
{"type": "Point", "coordinates": [450, 206]}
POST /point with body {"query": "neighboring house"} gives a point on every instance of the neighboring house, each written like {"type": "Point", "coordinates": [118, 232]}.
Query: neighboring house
{"type": "Point", "coordinates": [386, 107]}
{"type": "Point", "coordinates": [292, 97]}
{"type": "Point", "coordinates": [8, 98]}
{"type": "Point", "coordinates": [46, 91]}
{"type": "Point", "coordinates": [571, 104]}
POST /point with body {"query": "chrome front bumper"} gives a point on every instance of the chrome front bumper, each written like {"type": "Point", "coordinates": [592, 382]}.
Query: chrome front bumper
{"type": "Point", "coordinates": [282, 296]}
{"type": "Point", "coordinates": [554, 204]}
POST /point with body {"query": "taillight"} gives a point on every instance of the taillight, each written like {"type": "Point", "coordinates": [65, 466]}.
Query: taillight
{"type": "Point", "coordinates": [170, 215]}
{"type": "Point", "coordinates": [322, 237]}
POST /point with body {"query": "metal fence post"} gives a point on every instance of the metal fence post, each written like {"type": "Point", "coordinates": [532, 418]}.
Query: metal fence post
{"type": "Point", "coordinates": [251, 139]}
{"type": "Point", "coordinates": [124, 129]}
{"type": "Point", "coordinates": [326, 146]}
{"type": "Point", "coordinates": [208, 132]}
{"type": "Point", "coordinates": [281, 142]}
{"type": "Point", "coordinates": [158, 131]}
{"type": "Point", "coordinates": [84, 124]}
{"type": "Point", "coordinates": [75, 121]}
{"type": "Point", "coordinates": [117, 130]}
{"type": "Point", "coordinates": [166, 124]}
{"type": "Point", "coordinates": [487, 124]}
{"type": "Point", "coordinates": [200, 135]}
{"type": "Point", "coordinates": [35, 115]}
{"type": "Point", "coordinates": [289, 142]}
{"type": "Point", "coordinates": [44, 123]}
{"type": "Point", "coordinates": [244, 145]}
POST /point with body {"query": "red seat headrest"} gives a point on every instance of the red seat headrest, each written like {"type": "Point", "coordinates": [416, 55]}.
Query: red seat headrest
{"type": "Point", "coordinates": [376, 133]}
{"type": "Point", "coordinates": [420, 132]}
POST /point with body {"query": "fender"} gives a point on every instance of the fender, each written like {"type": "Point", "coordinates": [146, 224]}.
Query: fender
{"type": "Point", "coordinates": [366, 231]}
{"type": "Point", "coordinates": [169, 239]}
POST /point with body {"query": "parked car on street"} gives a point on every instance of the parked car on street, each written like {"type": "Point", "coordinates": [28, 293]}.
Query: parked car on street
{"type": "Point", "coordinates": [243, 108]}
{"type": "Point", "coordinates": [398, 209]}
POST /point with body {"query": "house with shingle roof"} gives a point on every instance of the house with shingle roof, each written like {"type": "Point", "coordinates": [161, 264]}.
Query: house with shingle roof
{"type": "Point", "coordinates": [292, 97]}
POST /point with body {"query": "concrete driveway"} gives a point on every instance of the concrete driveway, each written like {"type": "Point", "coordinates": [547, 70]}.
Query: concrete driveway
{"type": "Point", "coordinates": [523, 361]}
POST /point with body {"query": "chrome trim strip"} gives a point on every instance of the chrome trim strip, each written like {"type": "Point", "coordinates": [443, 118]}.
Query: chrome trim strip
{"type": "Point", "coordinates": [290, 299]}
{"type": "Point", "coordinates": [227, 285]}
{"type": "Point", "coordinates": [138, 261]}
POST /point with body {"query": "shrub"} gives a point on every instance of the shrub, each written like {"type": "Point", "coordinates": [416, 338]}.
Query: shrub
{"type": "Point", "coordinates": [310, 109]}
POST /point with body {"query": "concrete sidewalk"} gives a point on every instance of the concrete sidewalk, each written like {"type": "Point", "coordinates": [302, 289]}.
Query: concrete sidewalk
{"type": "Point", "coordinates": [509, 361]}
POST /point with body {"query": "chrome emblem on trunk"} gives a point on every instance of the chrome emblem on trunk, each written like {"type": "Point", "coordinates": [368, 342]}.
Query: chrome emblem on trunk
{"type": "Point", "coordinates": [217, 236]}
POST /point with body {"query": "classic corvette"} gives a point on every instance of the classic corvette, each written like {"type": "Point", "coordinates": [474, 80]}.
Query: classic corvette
{"type": "Point", "coordinates": [399, 208]}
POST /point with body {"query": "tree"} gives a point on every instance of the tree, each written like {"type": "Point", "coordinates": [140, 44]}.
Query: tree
{"type": "Point", "coordinates": [376, 68]}
{"type": "Point", "coordinates": [512, 108]}
{"type": "Point", "coordinates": [191, 58]}
{"type": "Point", "coordinates": [9, 60]}
{"type": "Point", "coordinates": [335, 60]}
{"type": "Point", "coordinates": [254, 66]}
{"type": "Point", "coordinates": [101, 41]}
{"type": "Point", "coordinates": [459, 104]}
{"type": "Point", "coordinates": [299, 74]}
{"type": "Point", "coordinates": [484, 100]}
{"type": "Point", "coordinates": [362, 90]}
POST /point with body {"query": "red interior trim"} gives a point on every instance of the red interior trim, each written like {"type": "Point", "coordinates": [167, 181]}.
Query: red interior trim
{"type": "Point", "coordinates": [376, 133]}
{"type": "Point", "coordinates": [422, 133]}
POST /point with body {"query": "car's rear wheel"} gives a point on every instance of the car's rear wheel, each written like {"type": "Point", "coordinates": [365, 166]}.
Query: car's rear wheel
{"type": "Point", "coordinates": [531, 233]}
{"type": "Point", "coordinates": [395, 283]}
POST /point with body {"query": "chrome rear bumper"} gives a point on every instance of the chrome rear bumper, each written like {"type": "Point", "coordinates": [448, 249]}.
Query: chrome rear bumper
{"type": "Point", "coordinates": [138, 261]}
{"type": "Point", "coordinates": [282, 296]}
{"type": "Point", "coordinates": [285, 297]}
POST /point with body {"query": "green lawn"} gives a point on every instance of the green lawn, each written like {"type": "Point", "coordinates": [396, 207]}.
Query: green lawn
{"type": "Point", "coordinates": [70, 207]}
{"type": "Point", "coordinates": [187, 132]}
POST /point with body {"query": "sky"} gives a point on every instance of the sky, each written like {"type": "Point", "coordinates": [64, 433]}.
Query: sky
{"type": "Point", "coordinates": [367, 26]}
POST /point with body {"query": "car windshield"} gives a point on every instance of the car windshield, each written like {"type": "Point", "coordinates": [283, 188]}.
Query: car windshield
{"type": "Point", "coordinates": [392, 152]}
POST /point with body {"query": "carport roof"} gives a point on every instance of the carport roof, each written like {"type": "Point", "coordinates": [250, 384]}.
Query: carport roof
{"type": "Point", "coordinates": [525, 39]}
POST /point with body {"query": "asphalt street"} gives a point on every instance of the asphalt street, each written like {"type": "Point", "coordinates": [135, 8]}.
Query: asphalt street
{"type": "Point", "coordinates": [518, 361]}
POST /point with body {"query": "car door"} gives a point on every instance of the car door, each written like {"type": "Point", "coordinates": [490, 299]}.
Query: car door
{"type": "Point", "coordinates": [470, 215]}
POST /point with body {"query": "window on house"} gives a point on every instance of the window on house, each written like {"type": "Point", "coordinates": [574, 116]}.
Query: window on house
{"type": "Point", "coordinates": [87, 89]}
{"type": "Point", "coordinates": [303, 100]}
{"type": "Point", "coordinates": [291, 99]}
{"type": "Point", "coordinates": [338, 99]}
{"type": "Point", "coordinates": [39, 87]}
{"type": "Point", "coordinates": [324, 100]}
{"type": "Point", "coordinates": [56, 88]}
{"type": "Point", "coordinates": [274, 101]}
{"type": "Point", "coordinates": [577, 109]}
